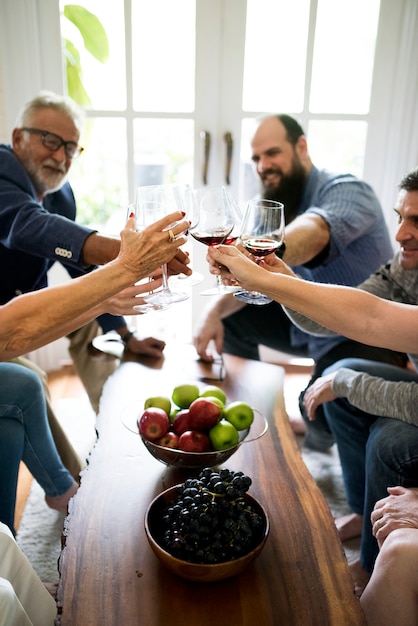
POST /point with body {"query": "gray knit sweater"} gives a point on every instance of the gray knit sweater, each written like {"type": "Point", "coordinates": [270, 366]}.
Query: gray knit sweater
{"type": "Point", "coordinates": [369, 393]}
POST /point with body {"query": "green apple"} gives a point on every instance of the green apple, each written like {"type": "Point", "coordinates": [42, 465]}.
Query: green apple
{"type": "Point", "coordinates": [240, 414]}
{"type": "Point", "coordinates": [162, 402]}
{"type": "Point", "coordinates": [184, 395]}
{"type": "Point", "coordinates": [214, 392]}
{"type": "Point", "coordinates": [172, 415]}
{"type": "Point", "coordinates": [223, 435]}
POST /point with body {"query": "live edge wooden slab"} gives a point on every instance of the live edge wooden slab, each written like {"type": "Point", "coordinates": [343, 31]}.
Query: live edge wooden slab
{"type": "Point", "coordinates": [110, 577]}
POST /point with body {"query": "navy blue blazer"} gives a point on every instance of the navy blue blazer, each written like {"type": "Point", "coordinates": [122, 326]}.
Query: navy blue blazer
{"type": "Point", "coordinates": [34, 236]}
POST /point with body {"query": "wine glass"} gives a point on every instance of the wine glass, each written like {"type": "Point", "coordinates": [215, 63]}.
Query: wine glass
{"type": "Point", "coordinates": [262, 232]}
{"type": "Point", "coordinates": [214, 214]}
{"type": "Point", "coordinates": [146, 307]}
{"type": "Point", "coordinates": [152, 203]}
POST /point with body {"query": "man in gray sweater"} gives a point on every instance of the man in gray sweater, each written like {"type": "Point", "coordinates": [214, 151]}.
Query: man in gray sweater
{"type": "Point", "coordinates": [370, 407]}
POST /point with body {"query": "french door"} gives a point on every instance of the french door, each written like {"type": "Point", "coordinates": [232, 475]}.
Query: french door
{"type": "Point", "coordinates": [186, 79]}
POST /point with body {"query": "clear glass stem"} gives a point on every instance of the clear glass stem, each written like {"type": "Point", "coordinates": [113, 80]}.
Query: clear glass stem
{"type": "Point", "coordinates": [165, 287]}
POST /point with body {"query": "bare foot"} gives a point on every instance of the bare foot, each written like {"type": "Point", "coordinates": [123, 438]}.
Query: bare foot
{"type": "Point", "coordinates": [60, 503]}
{"type": "Point", "coordinates": [360, 577]}
{"type": "Point", "coordinates": [349, 526]}
{"type": "Point", "coordinates": [298, 425]}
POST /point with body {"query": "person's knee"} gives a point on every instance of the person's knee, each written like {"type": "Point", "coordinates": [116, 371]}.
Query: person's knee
{"type": "Point", "coordinates": [400, 551]}
{"type": "Point", "coordinates": [351, 363]}
{"type": "Point", "coordinates": [31, 382]}
{"type": "Point", "coordinates": [393, 445]}
{"type": "Point", "coordinates": [19, 381]}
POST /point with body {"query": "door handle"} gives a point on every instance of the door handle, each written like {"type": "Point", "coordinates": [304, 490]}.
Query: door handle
{"type": "Point", "coordinates": [205, 138]}
{"type": "Point", "coordinates": [229, 149]}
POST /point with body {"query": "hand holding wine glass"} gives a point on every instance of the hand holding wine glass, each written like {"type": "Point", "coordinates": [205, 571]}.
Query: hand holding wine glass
{"type": "Point", "coordinates": [262, 233]}
{"type": "Point", "coordinates": [152, 203]}
{"type": "Point", "coordinates": [214, 214]}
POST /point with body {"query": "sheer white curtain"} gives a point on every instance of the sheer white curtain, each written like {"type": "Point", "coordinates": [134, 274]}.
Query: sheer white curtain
{"type": "Point", "coordinates": [392, 147]}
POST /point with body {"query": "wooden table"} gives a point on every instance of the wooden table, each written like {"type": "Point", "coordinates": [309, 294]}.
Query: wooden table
{"type": "Point", "coordinates": [110, 576]}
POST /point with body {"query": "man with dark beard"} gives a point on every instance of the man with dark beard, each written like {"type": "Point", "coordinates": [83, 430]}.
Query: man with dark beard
{"type": "Point", "coordinates": [335, 233]}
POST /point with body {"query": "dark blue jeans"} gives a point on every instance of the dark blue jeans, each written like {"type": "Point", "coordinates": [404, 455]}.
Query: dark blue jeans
{"type": "Point", "coordinates": [375, 452]}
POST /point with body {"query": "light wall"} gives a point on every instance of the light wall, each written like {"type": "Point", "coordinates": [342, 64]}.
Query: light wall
{"type": "Point", "coordinates": [3, 136]}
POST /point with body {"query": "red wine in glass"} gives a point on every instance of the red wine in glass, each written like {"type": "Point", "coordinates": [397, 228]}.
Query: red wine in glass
{"type": "Point", "coordinates": [213, 214]}
{"type": "Point", "coordinates": [262, 233]}
{"type": "Point", "coordinates": [210, 240]}
{"type": "Point", "coordinates": [261, 247]}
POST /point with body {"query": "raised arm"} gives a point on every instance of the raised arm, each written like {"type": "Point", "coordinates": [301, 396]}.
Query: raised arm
{"type": "Point", "coordinates": [34, 319]}
{"type": "Point", "coordinates": [345, 310]}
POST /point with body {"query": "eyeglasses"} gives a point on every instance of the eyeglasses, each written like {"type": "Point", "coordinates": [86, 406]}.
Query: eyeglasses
{"type": "Point", "coordinates": [54, 142]}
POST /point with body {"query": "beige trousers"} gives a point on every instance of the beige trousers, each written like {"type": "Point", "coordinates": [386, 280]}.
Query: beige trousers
{"type": "Point", "coordinates": [24, 601]}
{"type": "Point", "coordinates": [92, 372]}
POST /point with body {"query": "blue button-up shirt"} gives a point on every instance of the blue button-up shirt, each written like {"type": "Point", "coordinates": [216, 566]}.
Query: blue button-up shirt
{"type": "Point", "coordinates": [359, 240]}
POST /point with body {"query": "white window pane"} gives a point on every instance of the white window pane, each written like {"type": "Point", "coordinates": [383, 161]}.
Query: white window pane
{"type": "Point", "coordinates": [275, 55]}
{"type": "Point", "coordinates": [338, 145]}
{"type": "Point", "coordinates": [163, 151]}
{"type": "Point", "coordinates": [99, 175]}
{"type": "Point", "coordinates": [163, 43]}
{"type": "Point", "coordinates": [345, 41]}
{"type": "Point", "coordinates": [105, 83]}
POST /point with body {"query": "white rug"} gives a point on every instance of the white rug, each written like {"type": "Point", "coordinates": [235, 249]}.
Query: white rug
{"type": "Point", "coordinates": [40, 530]}
{"type": "Point", "coordinates": [39, 534]}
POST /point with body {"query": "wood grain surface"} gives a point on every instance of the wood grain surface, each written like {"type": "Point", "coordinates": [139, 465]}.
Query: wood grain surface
{"type": "Point", "coordinates": [110, 577]}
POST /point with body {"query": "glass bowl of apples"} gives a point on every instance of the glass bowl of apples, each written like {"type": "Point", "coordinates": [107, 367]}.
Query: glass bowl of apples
{"type": "Point", "coordinates": [193, 428]}
{"type": "Point", "coordinates": [232, 526]}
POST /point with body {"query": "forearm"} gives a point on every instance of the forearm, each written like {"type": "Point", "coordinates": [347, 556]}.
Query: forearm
{"type": "Point", "coordinates": [377, 396]}
{"type": "Point", "coordinates": [36, 318]}
{"type": "Point", "coordinates": [346, 311]}
{"type": "Point", "coordinates": [306, 324]}
{"type": "Point", "coordinates": [306, 237]}
{"type": "Point", "coordinates": [99, 249]}
{"type": "Point", "coordinates": [56, 311]}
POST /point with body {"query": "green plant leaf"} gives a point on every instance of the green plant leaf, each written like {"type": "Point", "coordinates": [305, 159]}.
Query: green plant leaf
{"type": "Point", "coordinates": [72, 54]}
{"type": "Point", "coordinates": [76, 88]}
{"type": "Point", "coordinates": [91, 30]}
{"type": "Point", "coordinates": [74, 74]}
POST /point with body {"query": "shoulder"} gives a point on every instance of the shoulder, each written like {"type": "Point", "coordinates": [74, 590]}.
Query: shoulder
{"type": "Point", "coordinates": [344, 193]}
{"type": "Point", "coordinates": [8, 160]}
{"type": "Point", "coordinates": [12, 171]}
{"type": "Point", "coordinates": [330, 180]}
{"type": "Point", "coordinates": [6, 152]}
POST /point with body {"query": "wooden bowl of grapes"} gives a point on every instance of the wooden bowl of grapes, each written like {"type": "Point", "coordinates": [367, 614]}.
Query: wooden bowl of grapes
{"type": "Point", "coordinates": [208, 528]}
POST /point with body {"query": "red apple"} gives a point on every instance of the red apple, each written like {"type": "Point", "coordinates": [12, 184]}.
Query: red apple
{"type": "Point", "coordinates": [169, 440]}
{"type": "Point", "coordinates": [181, 422]}
{"type": "Point", "coordinates": [204, 414]}
{"type": "Point", "coordinates": [194, 441]}
{"type": "Point", "coordinates": [153, 423]}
